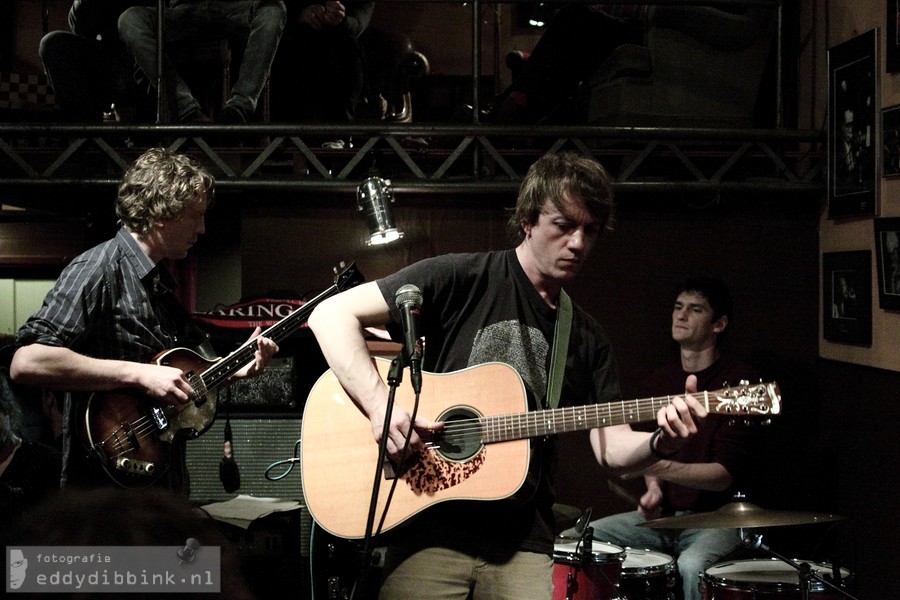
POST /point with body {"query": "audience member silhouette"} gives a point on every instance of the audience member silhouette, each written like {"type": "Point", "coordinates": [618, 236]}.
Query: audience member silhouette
{"type": "Point", "coordinates": [259, 23]}
{"type": "Point", "coordinates": [89, 68]}
{"type": "Point", "coordinates": [319, 67]}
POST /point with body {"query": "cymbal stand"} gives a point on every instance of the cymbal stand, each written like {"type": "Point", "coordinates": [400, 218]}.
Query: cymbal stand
{"type": "Point", "coordinates": [804, 572]}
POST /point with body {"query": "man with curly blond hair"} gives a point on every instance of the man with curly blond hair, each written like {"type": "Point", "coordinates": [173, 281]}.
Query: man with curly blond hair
{"type": "Point", "coordinates": [112, 310]}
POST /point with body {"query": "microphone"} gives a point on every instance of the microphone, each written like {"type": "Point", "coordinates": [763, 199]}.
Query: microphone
{"type": "Point", "coordinates": [409, 300]}
{"type": "Point", "coordinates": [229, 473]}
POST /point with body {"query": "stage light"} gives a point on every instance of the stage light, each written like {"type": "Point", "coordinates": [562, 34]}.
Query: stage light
{"type": "Point", "coordinates": [373, 196]}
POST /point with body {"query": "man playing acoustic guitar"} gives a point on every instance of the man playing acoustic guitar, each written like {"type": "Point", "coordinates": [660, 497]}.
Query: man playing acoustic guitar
{"type": "Point", "coordinates": [478, 308]}
{"type": "Point", "coordinates": [113, 310]}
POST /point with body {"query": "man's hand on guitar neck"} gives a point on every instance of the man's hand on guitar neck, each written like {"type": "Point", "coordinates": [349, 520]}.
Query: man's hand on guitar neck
{"type": "Point", "coordinates": [679, 420]}
{"type": "Point", "coordinates": [265, 350]}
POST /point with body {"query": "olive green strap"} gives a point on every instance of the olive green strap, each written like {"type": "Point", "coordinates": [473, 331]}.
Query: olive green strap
{"type": "Point", "coordinates": [560, 348]}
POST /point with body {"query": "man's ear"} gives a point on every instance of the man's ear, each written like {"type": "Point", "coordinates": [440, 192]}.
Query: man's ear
{"type": "Point", "coordinates": [720, 325]}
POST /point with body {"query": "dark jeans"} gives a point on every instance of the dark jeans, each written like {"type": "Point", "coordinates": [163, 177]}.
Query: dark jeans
{"type": "Point", "coordinates": [259, 22]}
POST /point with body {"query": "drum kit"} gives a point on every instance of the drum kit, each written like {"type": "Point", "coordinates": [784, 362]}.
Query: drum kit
{"type": "Point", "coordinates": [589, 569]}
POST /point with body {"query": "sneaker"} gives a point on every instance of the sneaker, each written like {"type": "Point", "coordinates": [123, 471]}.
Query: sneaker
{"type": "Point", "coordinates": [231, 115]}
{"type": "Point", "coordinates": [195, 118]}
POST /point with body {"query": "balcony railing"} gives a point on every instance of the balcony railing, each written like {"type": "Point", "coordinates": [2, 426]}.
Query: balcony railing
{"type": "Point", "coordinates": [472, 159]}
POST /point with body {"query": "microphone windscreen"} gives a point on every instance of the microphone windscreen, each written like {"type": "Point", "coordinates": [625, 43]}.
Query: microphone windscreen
{"type": "Point", "coordinates": [229, 474]}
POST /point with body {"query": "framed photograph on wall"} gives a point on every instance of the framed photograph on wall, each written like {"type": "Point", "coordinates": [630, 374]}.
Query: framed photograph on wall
{"type": "Point", "coordinates": [890, 134]}
{"type": "Point", "coordinates": [887, 252]}
{"type": "Point", "coordinates": [854, 140]}
{"type": "Point", "coordinates": [847, 296]}
{"type": "Point", "coordinates": [892, 64]}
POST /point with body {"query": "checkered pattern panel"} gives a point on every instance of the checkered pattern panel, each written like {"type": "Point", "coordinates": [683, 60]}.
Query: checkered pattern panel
{"type": "Point", "coordinates": [25, 91]}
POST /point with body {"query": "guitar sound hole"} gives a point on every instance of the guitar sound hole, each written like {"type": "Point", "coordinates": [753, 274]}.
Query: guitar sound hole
{"type": "Point", "coordinates": [461, 438]}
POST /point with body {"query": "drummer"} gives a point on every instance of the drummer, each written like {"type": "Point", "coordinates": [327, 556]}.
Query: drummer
{"type": "Point", "coordinates": [710, 468]}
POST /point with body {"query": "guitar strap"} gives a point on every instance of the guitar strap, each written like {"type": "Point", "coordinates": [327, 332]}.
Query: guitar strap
{"type": "Point", "coordinates": [560, 349]}
{"type": "Point", "coordinates": [192, 335]}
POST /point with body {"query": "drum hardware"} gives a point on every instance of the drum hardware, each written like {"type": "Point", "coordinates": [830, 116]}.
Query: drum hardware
{"type": "Point", "coordinates": [565, 512]}
{"type": "Point", "coordinates": [805, 574]}
{"type": "Point", "coordinates": [585, 536]}
{"type": "Point", "coordinates": [743, 515]}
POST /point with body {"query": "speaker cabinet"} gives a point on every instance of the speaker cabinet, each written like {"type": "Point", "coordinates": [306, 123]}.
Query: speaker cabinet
{"type": "Point", "coordinates": [257, 442]}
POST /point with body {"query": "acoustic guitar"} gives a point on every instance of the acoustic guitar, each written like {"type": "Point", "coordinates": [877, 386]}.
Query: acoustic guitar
{"type": "Point", "coordinates": [482, 453]}
{"type": "Point", "coordinates": [131, 436]}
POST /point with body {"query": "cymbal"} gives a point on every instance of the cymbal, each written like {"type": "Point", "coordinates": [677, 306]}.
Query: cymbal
{"type": "Point", "coordinates": [740, 515]}
{"type": "Point", "coordinates": [566, 512]}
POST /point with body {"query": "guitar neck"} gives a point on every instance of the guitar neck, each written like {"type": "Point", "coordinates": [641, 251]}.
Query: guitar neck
{"type": "Point", "coordinates": [504, 428]}
{"type": "Point", "coordinates": [746, 400]}
{"type": "Point", "coordinates": [225, 367]}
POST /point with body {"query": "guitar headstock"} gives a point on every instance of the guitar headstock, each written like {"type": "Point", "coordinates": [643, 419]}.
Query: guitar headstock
{"type": "Point", "coordinates": [756, 399]}
{"type": "Point", "coordinates": [347, 277]}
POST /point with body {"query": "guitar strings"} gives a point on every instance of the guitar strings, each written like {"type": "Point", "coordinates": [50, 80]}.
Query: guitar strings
{"type": "Point", "coordinates": [551, 420]}
{"type": "Point", "coordinates": [140, 428]}
{"type": "Point", "coordinates": [474, 428]}
{"type": "Point", "coordinates": [144, 426]}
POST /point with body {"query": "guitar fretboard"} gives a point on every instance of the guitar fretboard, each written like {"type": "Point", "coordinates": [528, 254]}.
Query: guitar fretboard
{"type": "Point", "coordinates": [216, 374]}
{"type": "Point", "coordinates": [504, 428]}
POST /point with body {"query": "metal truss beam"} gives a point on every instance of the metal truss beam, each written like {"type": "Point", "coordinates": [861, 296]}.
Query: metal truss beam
{"type": "Point", "coordinates": [461, 160]}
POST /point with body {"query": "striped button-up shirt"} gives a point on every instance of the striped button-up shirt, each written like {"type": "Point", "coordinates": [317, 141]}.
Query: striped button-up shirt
{"type": "Point", "coordinates": [109, 303]}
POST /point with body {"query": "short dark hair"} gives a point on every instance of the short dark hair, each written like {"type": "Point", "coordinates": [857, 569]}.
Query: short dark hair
{"type": "Point", "coordinates": [554, 175]}
{"type": "Point", "coordinates": [714, 290]}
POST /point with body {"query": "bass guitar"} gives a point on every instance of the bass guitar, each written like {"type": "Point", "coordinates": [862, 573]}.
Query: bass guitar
{"type": "Point", "coordinates": [131, 436]}
{"type": "Point", "coordinates": [482, 452]}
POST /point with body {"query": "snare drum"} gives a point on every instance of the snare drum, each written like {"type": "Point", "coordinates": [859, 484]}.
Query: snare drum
{"type": "Point", "coordinates": [759, 578]}
{"type": "Point", "coordinates": [647, 575]}
{"type": "Point", "coordinates": [591, 577]}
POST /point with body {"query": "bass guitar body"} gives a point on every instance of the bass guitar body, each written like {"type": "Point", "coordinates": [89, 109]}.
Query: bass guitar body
{"type": "Point", "coordinates": [132, 437]}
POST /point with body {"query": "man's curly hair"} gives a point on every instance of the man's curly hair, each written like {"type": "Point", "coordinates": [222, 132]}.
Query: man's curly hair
{"type": "Point", "coordinates": [158, 186]}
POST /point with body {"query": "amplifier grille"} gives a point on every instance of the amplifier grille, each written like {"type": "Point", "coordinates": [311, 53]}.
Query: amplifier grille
{"type": "Point", "coordinates": [257, 442]}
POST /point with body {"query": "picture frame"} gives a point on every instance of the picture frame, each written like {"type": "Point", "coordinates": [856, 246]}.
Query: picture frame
{"type": "Point", "coordinates": [892, 33]}
{"type": "Point", "coordinates": [887, 252]}
{"type": "Point", "coordinates": [854, 133]}
{"type": "Point", "coordinates": [890, 135]}
{"type": "Point", "coordinates": [847, 297]}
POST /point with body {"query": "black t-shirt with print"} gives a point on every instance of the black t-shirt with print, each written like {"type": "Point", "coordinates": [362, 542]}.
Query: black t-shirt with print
{"type": "Point", "coordinates": [480, 308]}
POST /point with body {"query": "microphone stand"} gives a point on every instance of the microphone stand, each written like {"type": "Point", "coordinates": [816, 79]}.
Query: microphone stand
{"type": "Point", "coordinates": [394, 378]}
{"type": "Point", "coordinates": [805, 573]}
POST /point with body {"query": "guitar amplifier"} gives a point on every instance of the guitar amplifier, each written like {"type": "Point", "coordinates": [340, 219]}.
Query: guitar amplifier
{"type": "Point", "coordinates": [258, 441]}
{"type": "Point", "coordinates": [274, 388]}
